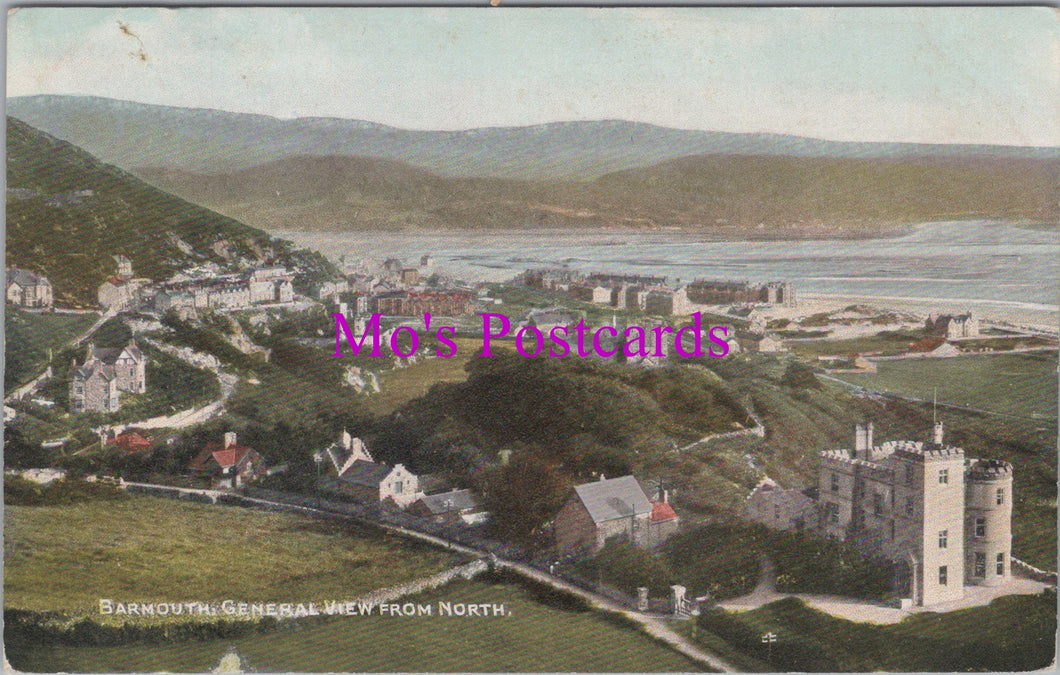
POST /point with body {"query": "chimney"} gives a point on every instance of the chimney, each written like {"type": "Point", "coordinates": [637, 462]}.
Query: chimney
{"type": "Point", "coordinates": [938, 433]}
{"type": "Point", "coordinates": [347, 441]}
{"type": "Point", "coordinates": [863, 440]}
{"type": "Point", "coordinates": [603, 477]}
{"type": "Point", "coordinates": [230, 439]}
{"type": "Point", "coordinates": [91, 348]}
{"type": "Point", "coordinates": [666, 496]}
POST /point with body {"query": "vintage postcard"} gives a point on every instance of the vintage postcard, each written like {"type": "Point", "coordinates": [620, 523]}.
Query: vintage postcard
{"type": "Point", "coordinates": [507, 339]}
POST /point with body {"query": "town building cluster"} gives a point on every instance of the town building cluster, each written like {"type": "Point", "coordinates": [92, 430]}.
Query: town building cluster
{"type": "Point", "coordinates": [270, 285]}
{"type": "Point", "coordinates": [652, 294]}
{"type": "Point", "coordinates": [353, 474]}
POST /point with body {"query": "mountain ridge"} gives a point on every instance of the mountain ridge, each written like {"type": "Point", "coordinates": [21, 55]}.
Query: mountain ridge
{"type": "Point", "coordinates": [131, 135]}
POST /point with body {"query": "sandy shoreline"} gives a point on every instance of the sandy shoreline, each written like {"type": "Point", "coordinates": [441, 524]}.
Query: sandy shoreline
{"type": "Point", "coordinates": [1034, 316]}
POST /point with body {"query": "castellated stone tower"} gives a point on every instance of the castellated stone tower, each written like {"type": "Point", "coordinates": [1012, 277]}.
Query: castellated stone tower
{"type": "Point", "coordinates": [931, 532]}
{"type": "Point", "coordinates": [943, 520]}
{"type": "Point", "coordinates": [988, 525]}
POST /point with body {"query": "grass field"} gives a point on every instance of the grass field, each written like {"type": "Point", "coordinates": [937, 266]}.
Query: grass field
{"type": "Point", "coordinates": [30, 335]}
{"type": "Point", "coordinates": [534, 637]}
{"type": "Point", "coordinates": [1021, 384]}
{"type": "Point", "coordinates": [885, 344]}
{"type": "Point", "coordinates": [1012, 633]}
{"type": "Point", "coordinates": [399, 386]}
{"type": "Point", "coordinates": [68, 557]}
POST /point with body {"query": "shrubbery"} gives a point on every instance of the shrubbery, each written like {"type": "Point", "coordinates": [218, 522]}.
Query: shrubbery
{"type": "Point", "coordinates": [22, 492]}
{"type": "Point", "coordinates": [42, 628]}
{"type": "Point", "coordinates": [627, 567]}
{"type": "Point", "coordinates": [725, 561]}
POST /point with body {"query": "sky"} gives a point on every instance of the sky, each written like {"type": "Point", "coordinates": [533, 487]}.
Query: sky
{"type": "Point", "coordinates": [934, 75]}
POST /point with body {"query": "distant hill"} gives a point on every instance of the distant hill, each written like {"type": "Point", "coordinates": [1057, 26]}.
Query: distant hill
{"type": "Point", "coordinates": [133, 135]}
{"type": "Point", "coordinates": [68, 213]}
{"type": "Point", "coordinates": [723, 194]}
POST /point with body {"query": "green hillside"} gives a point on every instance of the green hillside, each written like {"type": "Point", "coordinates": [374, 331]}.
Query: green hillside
{"type": "Point", "coordinates": [724, 194]}
{"type": "Point", "coordinates": [68, 214]}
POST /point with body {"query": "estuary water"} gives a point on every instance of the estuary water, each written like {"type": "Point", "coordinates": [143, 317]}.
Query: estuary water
{"type": "Point", "coordinates": [957, 261]}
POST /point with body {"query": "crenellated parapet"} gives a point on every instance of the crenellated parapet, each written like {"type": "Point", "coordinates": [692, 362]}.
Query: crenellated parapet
{"type": "Point", "coordinates": [989, 470]}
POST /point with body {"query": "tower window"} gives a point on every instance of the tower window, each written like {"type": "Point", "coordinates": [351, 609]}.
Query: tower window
{"type": "Point", "coordinates": [944, 476]}
{"type": "Point", "coordinates": [833, 512]}
{"type": "Point", "coordinates": [835, 482]}
{"type": "Point", "coordinates": [1000, 496]}
{"type": "Point", "coordinates": [1001, 564]}
{"type": "Point", "coordinates": [980, 527]}
{"type": "Point", "coordinates": [909, 508]}
{"type": "Point", "coordinates": [980, 565]}
{"type": "Point", "coordinates": [944, 536]}
{"type": "Point", "coordinates": [877, 504]}
{"type": "Point", "coordinates": [943, 574]}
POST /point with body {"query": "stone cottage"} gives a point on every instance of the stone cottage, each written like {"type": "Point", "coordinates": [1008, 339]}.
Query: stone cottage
{"type": "Point", "coordinates": [375, 483]}
{"type": "Point", "coordinates": [28, 289]}
{"type": "Point", "coordinates": [608, 508]}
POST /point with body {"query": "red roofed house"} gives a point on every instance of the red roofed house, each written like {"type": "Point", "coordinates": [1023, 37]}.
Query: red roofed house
{"type": "Point", "coordinates": [232, 465]}
{"type": "Point", "coordinates": [130, 441]}
{"type": "Point", "coordinates": [116, 294]}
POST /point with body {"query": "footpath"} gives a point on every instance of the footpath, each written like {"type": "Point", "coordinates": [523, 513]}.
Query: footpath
{"type": "Point", "coordinates": [850, 609]}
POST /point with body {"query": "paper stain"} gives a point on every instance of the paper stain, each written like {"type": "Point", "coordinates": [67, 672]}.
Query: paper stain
{"type": "Point", "coordinates": [140, 52]}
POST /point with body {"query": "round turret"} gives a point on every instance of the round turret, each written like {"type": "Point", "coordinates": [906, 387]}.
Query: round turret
{"type": "Point", "coordinates": [988, 536]}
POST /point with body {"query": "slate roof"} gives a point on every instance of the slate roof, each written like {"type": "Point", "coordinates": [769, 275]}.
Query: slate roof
{"type": "Point", "coordinates": [614, 498]}
{"type": "Point", "coordinates": [109, 355]}
{"type": "Point", "coordinates": [432, 483]}
{"type": "Point", "coordinates": [92, 366]}
{"type": "Point", "coordinates": [446, 502]}
{"type": "Point", "coordinates": [24, 278]}
{"type": "Point", "coordinates": [366, 473]}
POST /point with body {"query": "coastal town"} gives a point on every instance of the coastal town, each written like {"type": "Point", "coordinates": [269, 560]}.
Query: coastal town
{"type": "Point", "coordinates": [943, 522]}
{"type": "Point", "coordinates": [430, 339]}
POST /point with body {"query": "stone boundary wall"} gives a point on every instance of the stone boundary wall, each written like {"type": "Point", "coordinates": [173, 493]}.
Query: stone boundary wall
{"type": "Point", "coordinates": [758, 429]}
{"type": "Point", "coordinates": [466, 571]}
{"type": "Point", "coordinates": [1032, 572]}
{"type": "Point", "coordinates": [30, 387]}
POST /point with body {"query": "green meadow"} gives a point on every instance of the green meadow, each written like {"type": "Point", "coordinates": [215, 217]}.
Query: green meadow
{"type": "Point", "coordinates": [1013, 633]}
{"type": "Point", "coordinates": [533, 637]}
{"type": "Point", "coordinates": [1022, 384]}
{"type": "Point", "coordinates": [149, 549]}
